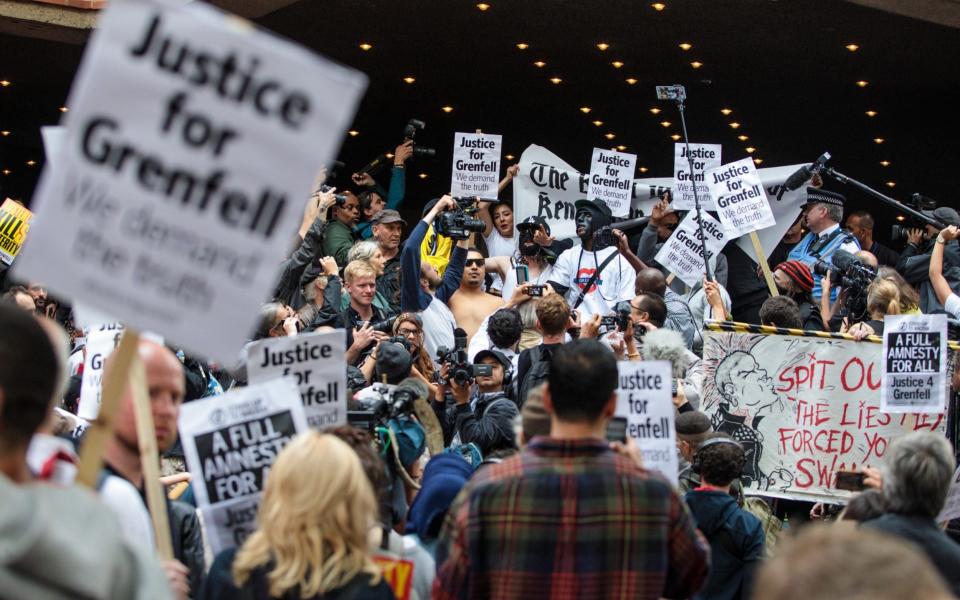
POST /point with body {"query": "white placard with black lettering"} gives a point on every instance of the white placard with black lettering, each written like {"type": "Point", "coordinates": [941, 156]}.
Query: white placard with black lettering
{"type": "Point", "coordinates": [705, 157]}
{"type": "Point", "coordinates": [611, 179]}
{"type": "Point", "coordinates": [681, 254]}
{"type": "Point", "coordinates": [476, 165]}
{"type": "Point", "coordinates": [192, 141]}
{"type": "Point", "coordinates": [740, 197]}
{"type": "Point", "coordinates": [102, 340]}
{"type": "Point", "coordinates": [644, 398]}
{"type": "Point", "coordinates": [230, 443]}
{"type": "Point", "coordinates": [316, 363]}
{"type": "Point", "coordinates": [914, 364]}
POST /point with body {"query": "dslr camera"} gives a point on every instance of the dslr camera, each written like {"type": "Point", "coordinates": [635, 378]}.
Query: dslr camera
{"type": "Point", "coordinates": [917, 202]}
{"type": "Point", "coordinates": [853, 277]}
{"type": "Point", "coordinates": [461, 370]}
{"type": "Point", "coordinates": [340, 199]}
{"type": "Point", "coordinates": [410, 132]}
{"type": "Point", "coordinates": [459, 222]}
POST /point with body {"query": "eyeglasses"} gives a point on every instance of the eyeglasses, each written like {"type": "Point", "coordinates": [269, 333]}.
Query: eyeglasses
{"type": "Point", "coordinates": [407, 332]}
{"type": "Point", "coordinates": [474, 262]}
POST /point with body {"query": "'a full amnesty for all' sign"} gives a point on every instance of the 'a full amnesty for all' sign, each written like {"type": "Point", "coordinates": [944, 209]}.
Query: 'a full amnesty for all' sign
{"type": "Point", "coordinates": [316, 362]}
{"type": "Point", "coordinates": [476, 165]}
{"type": "Point", "coordinates": [740, 197]}
{"type": "Point", "coordinates": [192, 140]}
{"type": "Point", "coordinates": [611, 179]}
{"type": "Point", "coordinates": [230, 442]}
{"type": "Point", "coordinates": [914, 364]}
{"type": "Point", "coordinates": [644, 398]}
{"type": "Point", "coordinates": [14, 223]}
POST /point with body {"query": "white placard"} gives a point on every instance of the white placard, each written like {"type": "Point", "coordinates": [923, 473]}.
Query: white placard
{"type": "Point", "coordinates": [178, 189]}
{"type": "Point", "coordinates": [914, 364]}
{"type": "Point", "coordinates": [705, 157]}
{"type": "Point", "coordinates": [643, 397]}
{"type": "Point", "coordinates": [317, 364]}
{"type": "Point", "coordinates": [951, 508]}
{"type": "Point", "coordinates": [102, 340]}
{"type": "Point", "coordinates": [681, 254]}
{"type": "Point", "coordinates": [611, 179]}
{"type": "Point", "coordinates": [476, 165]}
{"type": "Point", "coordinates": [230, 442]}
{"type": "Point", "coordinates": [740, 197]}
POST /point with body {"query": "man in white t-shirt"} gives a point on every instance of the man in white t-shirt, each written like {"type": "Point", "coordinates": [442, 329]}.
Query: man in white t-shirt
{"type": "Point", "coordinates": [575, 267]}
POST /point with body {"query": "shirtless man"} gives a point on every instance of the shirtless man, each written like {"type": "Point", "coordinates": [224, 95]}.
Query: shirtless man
{"type": "Point", "coordinates": [471, 305]}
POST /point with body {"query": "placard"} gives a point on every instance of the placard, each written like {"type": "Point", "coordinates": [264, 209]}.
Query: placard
{"type": "Point", "coordinates": [14, 223]}
{"type": "Point", "coordinates": [230, 442]}
{"type": "Point", "coordinates": [102, 340]}
{"type": "Point", "coordinates": [644, 398]}
{"type": "Point", "coordinates": [681, 254]}
{"type": "Point", "coordinates": [951, 507]}
{"type": "Point", "coordinates": [740, 198]}
{"type": "Point", "coordinates": [191, 143]}
{"type": "Point", "coordinates": [476, 165]}
{"type": "Point", "coordinates": [705, 157]}
{"type": "Point", "coordinates": [914, 364]}
{"type": "Point", "coordinates": [317, 364]}
{"type": "Point", "coordinates": [611, 179]}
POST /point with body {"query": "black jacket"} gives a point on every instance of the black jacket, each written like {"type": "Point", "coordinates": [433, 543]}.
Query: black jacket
{"type": "Point", "coordinates": [489, 425]}
{"type": "Point", "coordinates": [943, 552]}
{"type": "Point", "coordinates": [914, 265]}
{"type": "Point", "coordinates": [288, 287]}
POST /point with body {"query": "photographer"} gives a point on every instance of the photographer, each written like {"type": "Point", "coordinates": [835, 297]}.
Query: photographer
{"type": "Point", "coordinates": [914, 262]}
{"type": "Point", "coordinates": [372, 199]}
{"type": "Point", "coordinates": [945, 295]}
{"type": "Point", "coordinates": [485, 415]}
{"type": "Point", "coordinates": [362, 320]}
{"type": "Point", "coordinates": [339, 238]}
{"type": "Point", "coordinates": [535, 251]}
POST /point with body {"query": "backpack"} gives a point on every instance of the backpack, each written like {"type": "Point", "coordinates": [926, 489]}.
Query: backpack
{"type": "Point", "coordinates": [771, 525]}
{"type": "Point", "coordinates": [535, 375]}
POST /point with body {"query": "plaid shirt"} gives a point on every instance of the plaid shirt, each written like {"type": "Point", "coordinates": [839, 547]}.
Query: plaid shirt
{"type": "Point", "coordinates": [569, 519]}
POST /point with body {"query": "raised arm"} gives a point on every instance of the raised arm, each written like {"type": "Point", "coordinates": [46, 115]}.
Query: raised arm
{"type": "Point", "coordinates": [937, 280]}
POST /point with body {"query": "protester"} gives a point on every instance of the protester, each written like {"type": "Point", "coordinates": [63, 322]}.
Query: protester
{"type": "Point", "coordinates": [945, 294]}
{"type": "Point", "coordinates": [693, 427]}
{"type": "Point", "coordinates": [493, 543]}
{"type": "Point", "coordinates": [781, 311]}
{"type": "Point", "coordinates": [443, 478]}
{"type": "Point", "coordinates": [19, 296]}
{"type": "Point", "coordinates": [498, 235]}
{"type": "Point", "coordinates": [500, 331]}
{"type": "Point", "coordinates": [822, 214]}
{"type": "Point", "coordinates": [860, 224]}
{"type": "Point", "coordinates": [312, 527]}
{"type": "Point", "coordinates": [795, 280]}
{"type": "Point", "coordinates": [914, 262]}
{"type": "Point", "coordinates": [865, 506]}
{"type": "Point", "coordinates": [471, 305]}
{"type": "Point", "coordinates": [535, 253]}
{"type": "Point", "coordinates": [679, 318]}
{"type": "Point", "coordinates": [533, 364]}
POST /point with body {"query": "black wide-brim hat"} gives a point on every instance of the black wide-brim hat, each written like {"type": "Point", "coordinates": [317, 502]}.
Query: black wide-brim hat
{"type": "Point", "coordinates": [601, 212]}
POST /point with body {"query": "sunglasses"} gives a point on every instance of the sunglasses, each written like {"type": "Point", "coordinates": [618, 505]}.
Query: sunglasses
{"type": "Point", "coordinates": [475, 262]}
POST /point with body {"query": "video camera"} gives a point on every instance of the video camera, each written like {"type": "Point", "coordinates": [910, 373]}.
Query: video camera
{"type": "Point", "coordinates": [917, 202]}
{"type": "Point", "coordinates": [462, 370]}
{"type": "Point", "coordinates": [604, 237]}
{"type": "Point", "coordinates": [460, 222]}
{"type": "Point", "coordinates": [853, 276]}
{"type": "Point", "coordinates": [386, 405]}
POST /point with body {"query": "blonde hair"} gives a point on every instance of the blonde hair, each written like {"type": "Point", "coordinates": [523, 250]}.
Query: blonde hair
{"type": "Point", "coordinates": [883, 298]}
{"type": "Point", "coordinates": [313, 521]}
{"type": "Point", "coordinates": [362, 250]}
{"type": "Point", "coordinates": [909, 298]}
{"type": "Point", "coordinates": [358, 268]}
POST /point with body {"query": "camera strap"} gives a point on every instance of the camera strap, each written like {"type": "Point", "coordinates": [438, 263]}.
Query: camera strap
{"type": "Point", "coordinates": [593, 278]}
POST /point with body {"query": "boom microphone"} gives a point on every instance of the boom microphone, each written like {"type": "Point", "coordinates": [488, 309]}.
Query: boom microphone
{"type": "Point", "coordinates": [803, 174]}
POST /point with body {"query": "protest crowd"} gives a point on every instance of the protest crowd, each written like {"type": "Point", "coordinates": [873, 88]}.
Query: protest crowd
{"type": "Point", "coordinates": [496, 410]}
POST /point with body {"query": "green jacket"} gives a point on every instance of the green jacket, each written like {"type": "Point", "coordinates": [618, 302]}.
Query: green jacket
{"type": "Point", "coordinates": [337, 240]}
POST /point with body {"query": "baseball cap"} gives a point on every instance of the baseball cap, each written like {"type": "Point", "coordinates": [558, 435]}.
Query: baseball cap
{"type": "Point", "coordinates": [533, 223]}
{"type": "Point", "coordinates": [500, 357]}
{"type": "Point", "coordinates": [387, 215]}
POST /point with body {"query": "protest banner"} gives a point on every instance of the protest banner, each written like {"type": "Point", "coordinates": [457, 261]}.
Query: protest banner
{"type": "Point", "coordinates": [914, 364]}
{"type": "Point", "coordinates": [316, 362]}
{"type": "Point", "coordinates": [230, 442]}
{"type": "Point", "coordinates": [803, 408]}
{"type": "Point", "coordinates": [740, 198]}
{"type": "Point", "coordinates": [14, 224]}
{"type": "Point", "coordinates": [101, 342]}
{"type": "Point", "coordinates": [476, 165]}
{"type": "Point", "coordinates": [611, 179]}
{"type": "Point", "coordinates": [644, 398]}
{"type": "Point", "coordinates": [681, 253]}
{"type": "Point", "coordinates": [705, 157]}
{"type": "Point", "coordinates": [180, 182]}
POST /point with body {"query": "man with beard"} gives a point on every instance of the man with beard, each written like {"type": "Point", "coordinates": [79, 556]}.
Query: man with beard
{"type": "Point", "coordinates": [531, 254]}
{"type": "Point", "coordinates": [338, 237]}
{"type": "Point", "coordinates": [795, 280]}
{"type": "Point", "coordinates": [593, 279]}
{"type": "Point", "coordinates": [387, 229]}
{"type": "Point", "coordinates": [472, 305]}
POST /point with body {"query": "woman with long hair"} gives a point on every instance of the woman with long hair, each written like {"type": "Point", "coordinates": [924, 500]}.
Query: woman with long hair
{"type": "Point", "coordinates": [410, 327]}
{"type": "Point", "coordinates": [311, 537]}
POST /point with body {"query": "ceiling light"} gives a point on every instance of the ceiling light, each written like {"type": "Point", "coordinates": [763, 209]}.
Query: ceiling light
{"type": "Point", "coordinates": [603, 46]}
{"type": "Point", "coordinates": [658, 6]}
{"type": "Point", "coordinates": [610, 136]}
{"type": "Point", "coordinates": [696, 64]}
{"type": "Point", "coordinates": [447, 109]}
{"type": "Point", "coordinates": [891, 184]}
{"type": "Point", "coordinates": [6, 171]}
{"type": "Point", "coordinates": [863, 83]}
{"type": "Point", "coordinates": [409, 79]}
{"type": "Point", "coordinates": [852, 47]}
{"type": "Point", "coordinates": [389, 154]}
{"type": "Point", "coordinates": [675, 137]}
{"type": "Point", "coordinates": [598, 123]}
{"type": "Point", "coordinates": [871, 113]}
{"type": "Point", "coordinates": [621, 148]}
{"type": "Point", "coordinates": [365, 47]}
{"type": "Point", "coordinates": [758, 161]}
{"type": "Point", "coordinates": [556, 80]}
{"type": "Point", "coordinates": [585, 110]}
{"type": "Point", "coordinates": [64, 109]}
{"type": "Point", "coordinates": [685, 46]}
{"type": "Point", "coordinates": [742, 138]}
{"type": "Point", "coordinates": [4, 133]}
{"type": "Point", "coordinates": [665, 123]}
{"type": "Point", "coordinates": [540, 64]}
{"type": "Point", "coordinates": [632, 80]}
{"type": "Point", "coordinates": [878, 140]}
{"type": "Point", "coordinates": [901, 218]}
{"type": "Point", "coordinates": [483, 6]}
{"type": "Point", "coordinates": [654, 111]}
{"type": "Point", "coordinates": [617, 64]}
{"type": "Point", "coordinates": [750, 149]}
{"type": "Point", "coordinates": [353, 133]}
{"type": "Point", "coordinates": [4, 83]}
{"type": "Point", "coordinates": [644, 169]}
{"type": "Point", "coordinates": [884, 163]}
{"type": "Point", "coordinates": [31, 163]}
{"type": "Point", "coordinates": [510, 157]}
{"type": "Point", "coordinates": [523, 46]}
{"type": "Point", "coordinates": [726, 111]}
{"type": "Point", "coordinates": [734, 125]}
{"type": "Point", "coordinates": [422, 176]}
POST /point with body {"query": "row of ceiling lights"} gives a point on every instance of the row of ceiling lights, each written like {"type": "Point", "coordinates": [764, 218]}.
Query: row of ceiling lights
{"type": "Point", "coordinates": [6, 132]}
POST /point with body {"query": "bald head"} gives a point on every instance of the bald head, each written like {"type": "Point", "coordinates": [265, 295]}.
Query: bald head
{"type": "Point", "coordinates": [650, 281]}
{"type": "Point", "coordinates": [868, 258]}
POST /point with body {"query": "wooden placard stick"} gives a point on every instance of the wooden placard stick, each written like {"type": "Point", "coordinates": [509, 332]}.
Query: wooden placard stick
{"type": "Point", "coordinates": [150, 460]}
{"type": "Point", "coordinates": [101, 429]}
{"type": "Point", "coordinates": [762, 258]}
